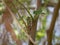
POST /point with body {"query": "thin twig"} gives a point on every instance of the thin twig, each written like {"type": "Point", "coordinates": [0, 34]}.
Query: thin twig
{"type": "Point", "coordinates": [25, 8]}
{"type": "Point", "coordinates": [19, 15]}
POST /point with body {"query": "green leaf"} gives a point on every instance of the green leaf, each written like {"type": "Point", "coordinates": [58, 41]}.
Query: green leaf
{"type": "Point", "coordinates": [37, 12]}
{"type": "Point", "coordinates": [40, 34]}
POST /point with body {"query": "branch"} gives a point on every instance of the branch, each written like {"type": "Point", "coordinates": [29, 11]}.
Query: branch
{"type": "Point", "coordinates": [19, 15]}
{"type": "Point", "coordinates": [52, 25]}
{"type": "Point", "coordinates": [25, 8]}
{"type": "Point", "coordinates": [20, 25]}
